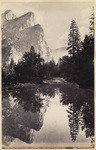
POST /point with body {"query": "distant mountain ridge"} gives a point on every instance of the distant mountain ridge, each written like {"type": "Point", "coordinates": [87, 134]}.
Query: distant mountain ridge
{"type": "Point", "coordinates": [59, 53]}
{"type": "Point", "coordinates": [19, 34]}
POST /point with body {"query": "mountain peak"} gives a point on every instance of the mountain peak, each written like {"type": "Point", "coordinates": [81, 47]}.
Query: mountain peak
{"type": "Point", "coordinates": [29, 18]}
{"type": "Point", "coordinates": [8, 11]}
{"type": "Point", "coordinates": [29, 13]}
{"type": "Point", "coordinates": [8, 15]}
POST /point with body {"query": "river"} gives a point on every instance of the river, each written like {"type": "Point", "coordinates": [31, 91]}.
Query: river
{"type": "Point", "coordinates": [47, 113]}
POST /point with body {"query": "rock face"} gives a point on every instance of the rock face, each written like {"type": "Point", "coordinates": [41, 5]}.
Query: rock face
{"type": "Point", "coordinates": [19, 34]}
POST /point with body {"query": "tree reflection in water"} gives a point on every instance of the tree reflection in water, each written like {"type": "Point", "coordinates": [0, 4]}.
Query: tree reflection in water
{"type": "Point", "coordinates": [73, 121]}
{"type": "Point", "coordinates": [28, 99]}
{"type": "Point", "coordinates": [80, 111]}
{"type": "Point", "coordinates": [88, 119]}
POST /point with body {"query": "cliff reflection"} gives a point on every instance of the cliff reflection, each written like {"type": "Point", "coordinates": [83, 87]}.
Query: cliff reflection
{"type": "Point", "coordinates": [23, 113]}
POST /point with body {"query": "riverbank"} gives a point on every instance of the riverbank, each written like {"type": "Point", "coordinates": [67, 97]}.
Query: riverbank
{"type": "Point", "coordinates": [44, 82]}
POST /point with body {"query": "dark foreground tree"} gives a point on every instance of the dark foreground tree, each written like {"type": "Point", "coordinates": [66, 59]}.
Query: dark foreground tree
{"type": "Point", "coordinates": [50, 69]}
{"type": "Point", "coordinates": [30, 69]}
{"type": "Point", "coordinates": [74, 43]}
{"type": "Point", "coordinates": [85, 65]}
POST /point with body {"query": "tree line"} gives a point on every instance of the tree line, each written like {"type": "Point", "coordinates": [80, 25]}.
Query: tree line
{"type": "Point", "coordinates": [31, 68]}
{"type": "Point", "coordinates": [78, 67]}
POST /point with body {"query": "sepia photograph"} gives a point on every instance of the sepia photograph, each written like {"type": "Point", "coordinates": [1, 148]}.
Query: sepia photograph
{"type": "Point", "coordinates": [47, 67]}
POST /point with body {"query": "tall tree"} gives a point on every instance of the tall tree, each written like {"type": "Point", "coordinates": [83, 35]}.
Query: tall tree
{"type": "Point", "coordinates": [74, 43]}
{"type": "Point", "coordinates": [92, 23]}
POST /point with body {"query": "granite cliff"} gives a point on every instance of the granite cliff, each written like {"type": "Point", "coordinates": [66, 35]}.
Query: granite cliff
{"type": "Point", "coordinates": [19, 34]}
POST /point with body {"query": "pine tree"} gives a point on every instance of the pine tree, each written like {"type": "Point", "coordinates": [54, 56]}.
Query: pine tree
{"type": "Point", "coordinates": [74, 44]}
{"type": "Point", "coordinates": [92, 23]}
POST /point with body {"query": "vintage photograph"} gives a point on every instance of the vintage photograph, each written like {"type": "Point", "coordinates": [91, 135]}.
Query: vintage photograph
{"type": "Point", "coordinates": [47, 53]}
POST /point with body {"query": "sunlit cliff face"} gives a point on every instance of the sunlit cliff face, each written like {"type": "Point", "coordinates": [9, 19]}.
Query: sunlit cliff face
{"type": "Point", "coordinates": [19, 34]}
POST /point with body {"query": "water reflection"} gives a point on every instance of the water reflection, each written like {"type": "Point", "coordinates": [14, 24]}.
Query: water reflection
{"type": "Point", "coordinates": [80, 111]}
{"type": "Point", "coordinates": [24, 109]}
{"type": "Point", "coordinates": [73, 121]}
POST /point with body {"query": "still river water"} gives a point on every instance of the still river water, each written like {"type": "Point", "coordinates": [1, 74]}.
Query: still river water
{"type": "Point", "coordinates": [47, 113]}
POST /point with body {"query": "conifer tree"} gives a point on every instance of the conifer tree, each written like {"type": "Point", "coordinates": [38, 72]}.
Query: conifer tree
{"type": "Point", "coordinates": [74, 44]}
{"type": "Point", "coordinates": [92, 23]}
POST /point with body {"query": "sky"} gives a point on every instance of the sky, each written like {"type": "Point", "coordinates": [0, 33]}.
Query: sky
{"type": "Point", "coordinates": [55, 18]}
